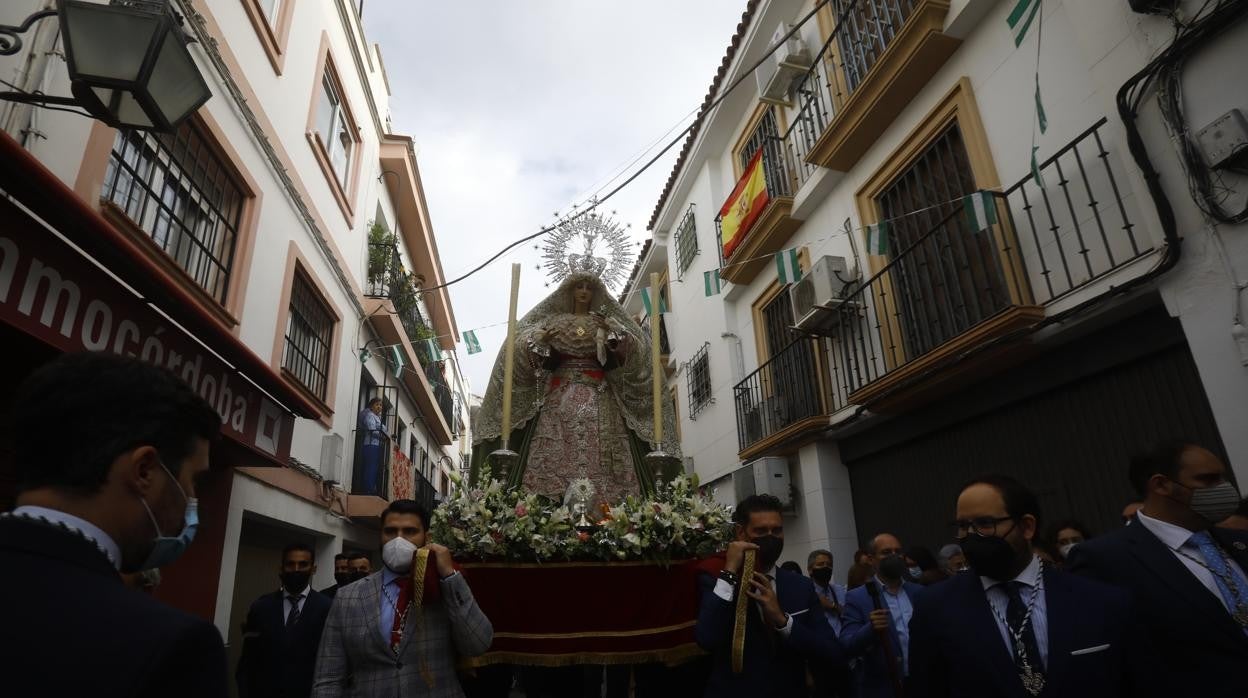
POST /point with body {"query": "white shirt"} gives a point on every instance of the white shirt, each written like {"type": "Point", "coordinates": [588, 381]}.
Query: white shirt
{"type": "Point", "coordinates": [301, 598]}
{"type": "Point", "coordinates": [1000, 601]}
{"type": "Point", "coordinates": [1178, 539]}
{"type": "Point", "coordinates": [87, 529]}
{"type": "Point", "coordinates": [724, 591]}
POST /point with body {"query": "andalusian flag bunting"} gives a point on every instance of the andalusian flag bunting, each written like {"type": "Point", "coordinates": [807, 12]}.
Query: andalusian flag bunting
{"type": "Point", "coordinates": [788, 270]}
{"type": "Point", "coordinates": [646, 301]}
{"type": "Point", "coordinates": [1035, 168]}
{"type": "Point", "coordinates": [877, 238]}
{"type": "Point", "coordinates": [1021, 17]}
{"type": "Point", "coordinates": [711, 280]}
{"type": "Point", "coordinates": [470, 338]}
{"type": "Point", "coordinates": [981, 210]}
{"type": "Point", "coordinates": [435, 351]}
{"type": "Point", "coordinates": [744, 206]}
{"type": "Point", "coordinates": [396, 357]}
{"type": "Point", "coordinates": [1041, 118]}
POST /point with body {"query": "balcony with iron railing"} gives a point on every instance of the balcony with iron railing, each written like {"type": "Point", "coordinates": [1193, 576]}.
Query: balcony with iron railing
{"type": "Point", "coordinates": [371, 470]}
{"type": "Point", "coordinates": [957, 301]}
{"type": "Point", "coordinates": [879, 55]}
{"type": "Point", "coordinates": [424, 492]}
{"type": "Point", "coordinates": [774, 225]}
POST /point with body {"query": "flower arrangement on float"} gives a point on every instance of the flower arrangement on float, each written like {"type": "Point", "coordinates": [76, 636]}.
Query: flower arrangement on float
{"type": "Point", "coordinates": [491, 522]}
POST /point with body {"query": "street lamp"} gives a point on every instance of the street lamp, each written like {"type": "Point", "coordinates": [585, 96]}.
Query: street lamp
{"type": "Point", "coordinates": [128, 63]}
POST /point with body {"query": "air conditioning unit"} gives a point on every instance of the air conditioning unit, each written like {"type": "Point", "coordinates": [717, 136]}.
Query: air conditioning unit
{"type": "Point", "coordinates": [776, 74]}
{"type": "Point", "coordinates": [331, 458]}
{"type": "Point", "coordinates": [816, 298]}
{"type": "Point", "coordinates": [771, 476]}
{"type": "Point", "coordinates": [743, 483]}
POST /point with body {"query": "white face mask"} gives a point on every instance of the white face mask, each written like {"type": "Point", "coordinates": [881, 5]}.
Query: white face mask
{"type": "Point", "coordinates": [1065, 549]}
{"type": "Point", "coordinates": [397, 554]}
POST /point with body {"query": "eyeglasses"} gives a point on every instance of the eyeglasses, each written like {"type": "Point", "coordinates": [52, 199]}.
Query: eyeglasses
{"type": "Point", "coordinates": [984, 526]}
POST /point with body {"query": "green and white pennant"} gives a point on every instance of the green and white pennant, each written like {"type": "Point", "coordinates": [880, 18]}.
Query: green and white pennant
{"type": "Point", "coordinates": [647, 302]}
{"type": "Point", "coordinates": [470, 339]}
{"type": "Point", "coordinates": [396, 358]}
{"type": "Point", "coordinates": [1021, 17]}
{"type": "Point", "coordinates": [981, 210]}
{"type": "Point", "coordinates": [788, 268]}
{"type": "Point", "coordinates": [877, 239]}
{"type": "Point", "coordinates": [712, 282]}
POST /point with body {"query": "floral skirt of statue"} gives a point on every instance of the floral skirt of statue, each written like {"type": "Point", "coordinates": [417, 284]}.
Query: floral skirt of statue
{"type": "Point", "coordinates": [580, 432]}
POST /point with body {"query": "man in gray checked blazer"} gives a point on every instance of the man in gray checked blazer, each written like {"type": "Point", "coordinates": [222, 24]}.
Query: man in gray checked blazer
{"type": "Point", "coordinates": [377, 644]}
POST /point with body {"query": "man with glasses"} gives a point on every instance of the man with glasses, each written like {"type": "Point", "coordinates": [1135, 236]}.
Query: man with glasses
{"type": "Point", "coordinates": [1013, 626]}
{"type": "Point", "coordinates": [1187, 573]}
{"type": "Point", "coordinates": [876, 621]}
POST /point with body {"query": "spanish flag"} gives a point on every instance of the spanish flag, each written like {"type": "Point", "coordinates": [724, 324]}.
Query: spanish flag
{"type": "Point", "coordinates": [744, 206]}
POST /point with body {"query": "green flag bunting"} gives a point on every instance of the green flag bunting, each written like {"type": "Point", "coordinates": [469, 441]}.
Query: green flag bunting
{"type": "Point", "coordinates": [645, 301]}
{"type": "Point", "coordinates": [396, 357]}
{"type": "Point", "coordinates": [877, 238]}
{"type": "Point", "coordinates": [1021, 17]}
{"type": "Point", "coordinates": [1035, 168]}
{"type": "Point", "coordinates": [712, 282]}
{"type": "Point", "coordinates": [981, 210]}
{"type": "Point", "coordinates": [470, 338]}
{"type": "Point", "coordinates": [1041, 118]}
{"type": "Point", "coordinates": [435, 351]}
{"type": "Point", "coordinates": [788, 269]}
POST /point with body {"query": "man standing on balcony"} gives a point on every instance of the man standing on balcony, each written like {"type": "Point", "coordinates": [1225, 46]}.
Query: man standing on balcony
{"type": "Point", "coordinates": [373, 440]}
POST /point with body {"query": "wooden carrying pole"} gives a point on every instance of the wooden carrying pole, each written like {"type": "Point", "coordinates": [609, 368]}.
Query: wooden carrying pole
{"type": "Point", "coordinates": [656, 361]}
{"type": "Point", "coordinates": [509, 355]}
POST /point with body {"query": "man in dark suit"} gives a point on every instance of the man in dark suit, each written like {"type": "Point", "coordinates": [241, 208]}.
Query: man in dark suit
{"type": "Point", "coordinates": [880, 608]}
{"type": "Point", "coordinates": [1014, 627]}
{"type": "Point", "coordinates": [118, 496]}
{"type": "Point", "coordinates": [785, 625]}
{"type": "Point", "coordinates": [1187, 576]}
{"type": "Point", "coordinates": [283, 632]}
{"type": "Point", "coordinates": [342, 575]}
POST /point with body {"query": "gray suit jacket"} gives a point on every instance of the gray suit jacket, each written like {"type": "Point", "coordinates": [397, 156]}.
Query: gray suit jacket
{"type": "Point", "coordinates": [354, 660]}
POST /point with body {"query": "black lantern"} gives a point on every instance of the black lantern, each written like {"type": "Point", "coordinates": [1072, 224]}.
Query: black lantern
{"type": "Point", "coordinates": [128, 63]}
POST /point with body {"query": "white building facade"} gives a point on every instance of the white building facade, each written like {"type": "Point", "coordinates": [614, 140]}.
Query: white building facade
{"type": "Point", "coordinates": [1049, 334]}
{"type": "Point", "coordinates": [295, 224]}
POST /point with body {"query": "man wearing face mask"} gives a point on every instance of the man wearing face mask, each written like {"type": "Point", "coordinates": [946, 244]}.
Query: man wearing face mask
{"type": "Point", "coordinates": [1186, 572]}
{"type": "Point", "coordinates": [119, 496]}
{"type": "Point", "coordinates": [378, 643]}
{"type": "Point", "coordinates": [877, 619]}
{"type": "Point", "coordinates": [283, 632]}
{"type": "Point", "coordinates": [1014, 626]}
{"type": "Point", "coordinates": [785, 627]}
{"type": "Point", "coordinates": [342, 575]}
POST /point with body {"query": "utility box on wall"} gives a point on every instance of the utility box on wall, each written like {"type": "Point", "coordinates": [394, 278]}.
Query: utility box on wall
{"type": "Point", "coordinates": [771, 476]}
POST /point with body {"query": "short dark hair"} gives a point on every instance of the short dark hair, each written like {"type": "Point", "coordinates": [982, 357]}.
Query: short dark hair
{"type": "Point", "coordinates": [357, 554]}
{"type": "Point", "coordinates": [792, 566]}
{"type": "Point", "coordinates": [922, 557]}
{"type": "Point", "coordinates": [297, 547]}
{"type": "Point", "coordinates": [1162, 458]}
{"type": "Point", "coordinates": [1067, 523]}
{"type": "Point", "coordinates": [814, 555]}
{"type": "Point", "coordinates": [341, 557]}
{"type": "Point", "coordinates": [753, 504]}
{"type": "Point", "coordinates": [116, 404]}
{"type": "Point", "coordinates": [407, 506]}
{"type": "Point", "coordinates": [1019, 501]}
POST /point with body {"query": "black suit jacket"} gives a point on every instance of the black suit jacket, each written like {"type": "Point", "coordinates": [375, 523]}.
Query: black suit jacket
{"type": "Point", "coordinates": [1094, 650]}
{"type": "Point", "coordinates": [773, 666]}
{"type": "Point", "coordinates": [329, 592]}
{"type": "Point", "coordinates": [71, 628]}
{"type": "Point", "coordinates": [279, 662]}
{"type": "Point", "coordinates": [1205, 651]}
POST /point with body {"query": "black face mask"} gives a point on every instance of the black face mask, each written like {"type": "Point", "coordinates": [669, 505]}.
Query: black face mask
{"type": "Point", "coordinates": [357, 575]}
{"type": "Point", "coordinates": [821, 575]}
{"type": "Point", "coordinates": [769, 549]}
{"type": "Point", "coordinates": [991, 557]}
{"type": "Point", "coordinates": [892, 568]}
{"type": "Point", "coordinates": [342, 578]}
{"type": "Point", "coordinates": [295, 582]}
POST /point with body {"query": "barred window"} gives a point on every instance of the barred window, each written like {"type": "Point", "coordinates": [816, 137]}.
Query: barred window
{"type": "Point", "coordinates": [309, 329]}
{"type": "Point", "coordinates": [177, 189]}
{"type": "Point", "coordinates": [865, 30]}
{"type": "Point", "coordinates": [698, 373]}
{"type": "Point", "coordinates": [686, 242]}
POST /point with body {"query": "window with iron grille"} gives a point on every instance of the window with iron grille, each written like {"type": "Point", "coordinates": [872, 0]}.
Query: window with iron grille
{"type": "Point", "coordinates": [698, 373]}
{"type": "Point", "coordinates": [865, 30]}
{"type": "Point", "coordinates": [309, 330]}
{"type": "Point", "coordinates": [686, 242]}
{"type": "Point", "coordinates": [179, 192]}
{"type": "Point", "coordinates": [766, 137]}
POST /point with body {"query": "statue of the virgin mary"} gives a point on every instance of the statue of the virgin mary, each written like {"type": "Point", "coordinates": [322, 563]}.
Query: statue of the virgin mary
{"type": "Point", "coordinates": [581, 398]}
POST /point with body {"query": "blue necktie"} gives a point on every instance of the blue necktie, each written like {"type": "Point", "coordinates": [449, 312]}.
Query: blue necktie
{"type": "Point", "coordinates": [1237, 598]}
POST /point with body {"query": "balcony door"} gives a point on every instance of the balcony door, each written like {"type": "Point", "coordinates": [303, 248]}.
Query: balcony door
{"type": "Point", "coordinates": [793, 394]}
{"type": "Point", "coordinates": [951, 279]}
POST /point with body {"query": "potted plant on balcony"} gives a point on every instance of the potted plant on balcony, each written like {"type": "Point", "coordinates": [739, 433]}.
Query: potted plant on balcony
{"type": "Point", "coordinates": [381, 244]}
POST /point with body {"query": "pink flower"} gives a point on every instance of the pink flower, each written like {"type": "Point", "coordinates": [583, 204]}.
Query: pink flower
{"type": "Point", "coordinates": [658, 509]}
{"type": "Point", "coordinates": [583, 536]}
{"type": "Point", "coordinates": [522, 510]}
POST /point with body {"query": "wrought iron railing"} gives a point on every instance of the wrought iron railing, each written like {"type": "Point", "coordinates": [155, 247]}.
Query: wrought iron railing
{"type": "Point", "coordinates": [424, 492]}
{"type": "Point", "coordinates": [1046, 244]}
{"type": "Point", "coordinates": [385, 270]}
{"type": "Point", "coordinates": [779, 179]}
{"type": "Point", "coordinates": [441, 392]}
{"type": "Point", "coordinates": [371, 470]}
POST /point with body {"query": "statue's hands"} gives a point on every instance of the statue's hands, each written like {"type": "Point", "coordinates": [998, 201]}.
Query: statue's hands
{"type": "Point", "coordinates": [549, 333]}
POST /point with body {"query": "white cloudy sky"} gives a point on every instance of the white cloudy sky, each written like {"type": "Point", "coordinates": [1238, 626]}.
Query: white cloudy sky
{"type": "Point", "coordinates": [521, 108]}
